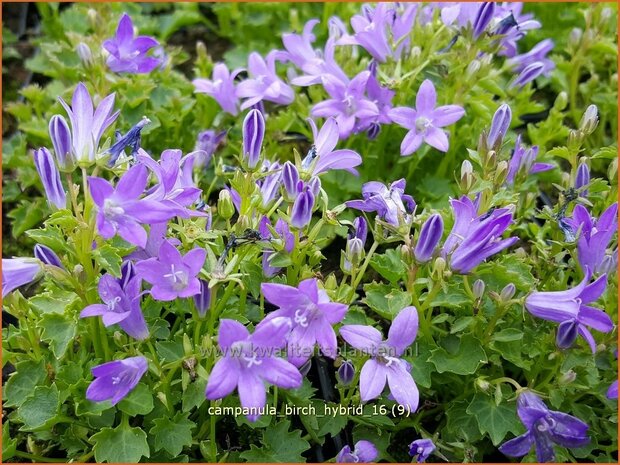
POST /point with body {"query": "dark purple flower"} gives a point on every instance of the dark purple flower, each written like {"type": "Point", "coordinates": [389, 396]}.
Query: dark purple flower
{"type": "Point", "coordinates": [202, 300]}
{"type": "Point", "coordinates": [483, 18]}
{"type": "Point", "coordinates": [529, 73]}
{"type": "Point", "coordinates": [301, 212]}
{"type": "Point", "coordinates": [250, 361]}
{"type": "Point", "coordinates": [391, 203]}
{"type": "Point", "coordinates": [544, 428]}
{"type": "Point", "coordinates": [114, 380]}
{"type": "Point", "coordinates": [19, 271]}
{"type": "Point", "coordinates": [130, 140]}
{"type": "Point", "coordinates": [284, 235]}
{"type": "Point", "coordinates": [571, 310]}
{"type": "Point", "coordinates": [128, 54]}
{"type": "Point", "coordinates": [121, 306]}
{"type": "Point", "coordinates": [538, 54]}
{"type": "Point", "coordinates": [595, 236]}
{"type": "Point", "coordinates": [50, 178]}
{"type": "Point", "coordinates": [422, 448]}
{"type": "Point", "coordinates": [499, 126]}
{"type": "Point", "coordinates": [582, 179]}
{"type": "Point", "coordinates": [312, 315]}
{"type": "Point", "coordinates": [264, 83]}
{"type": "Point", "coordinates": [61, 139]}
{"type": "Point", "coordinates": [426, 120]}
{"type": "Point", "coordinates": [475, 238]}
{"type": "Point", "coordinates": [88, 125]}
{"type": "Point", "coordinates": [47, 256]}
{"type": "Point", "coordinates": [290, 179]}
{"type": "Point", "coordinates": [430, 235]}
{"type": "Point", "coordinates": [172, 275]}
{"type": "Point", "coordinates": [523, 162]}
{"type": "Point", "coordinates": [221, 87]}
{"type": "Point", "coordinates": [385, 364]}
{"type": "Point", "coordinates": [363, 452]}
{"type": "Point", "coordinates": [253, 135]}
{"type": "Point", "coordinates": [323, 157]}
{"type": "Point", "coordinates": [346, 372]}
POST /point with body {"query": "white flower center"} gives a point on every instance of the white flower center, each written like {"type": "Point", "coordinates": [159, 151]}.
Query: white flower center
{"type": "Point", "coordinates": [179, 278]}
{"type": "Point", "coordinates": [111, 210]}
{"type": "Point", "coordinates": [112, 303]}
{"type": "Point", "coordinates": [422, 123]}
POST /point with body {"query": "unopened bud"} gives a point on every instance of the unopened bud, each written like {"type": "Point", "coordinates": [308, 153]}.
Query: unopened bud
{"type": "Point", "coordinates": [331, 283]}
{"type": "Point", "coordinates": [478, 289]}
{"type": "Point", "coordinates": [606, 13]}
{"type": "Point", "coordinates": [574, 38]}
{"type": "Point", "coordinates": [483, 384]}
{"type": "Point", "coordinates": [346, 373]}
{"type": "Point", "coordinates": [561, 101]}
{"type": "Point", "coordinates": [507, 292]}
{"type": "Point", "coordinates": [501, 173]}
{"type": "Point", "coordinates": [472, 68]}
{"type": "Point", "coordinates": [439, 266]}
{"type": "Point", "coordinates": [568, 377]}
{"type": "Point", "coordinates": [86, 56]}
{"type": "Point", "coordinates": [589, 120]}
{"type": "Point", "coordinates": [490, 161]}
{"type": "Point", "coordinates": [467, 176]}
{"type": "Point", "coordinates": [225, 205]}
{"type": "Point", "coordinates": [355, 251]}
{"type": "Point", "coordinates": [574, 139]}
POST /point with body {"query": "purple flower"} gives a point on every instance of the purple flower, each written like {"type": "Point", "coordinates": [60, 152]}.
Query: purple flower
{"type": "Point", "coordinates": [61, 139]}
{"type": "Point", "coordinates": [538, 54]}
{"type": "Point", "coordinates": [202, 300]}
{"type": "Point", "coordinates": [47, 256]}
{"type": "Point", "coordinates": [582, 179]}
{"type": "Point", "coordinates": [371, 31]}
{"type": "Point", "coordinates": [363, 452]}
{"type": "Point", "coordinates": [301, 212]}
{"type": "Point", "coordinates": [347, 102]}
{"type": "Point", "coordinates": [121, 211]}
{"type": "Point", "coordinates": [209, 141]}
{"type": "Point", "coordinates": [475, 238]}
{"type": "Point", "coordinates": [121, 305]}
{"type": "Point", "coordinates": [250, 361]}
{"type": "Point", "coordinates": [116, 379]}
{"type": "Point", "coordinates": [323, 157]}
{"type": "Point", "coordinates": [483, 18]}
{"type": "Point", "coordinates": [283, 234]}
{"type": "Point", "coordinates": [131, 140]}
{"type": "Point", "coordinates": [50, 178]}
{"type": "Point", "coordinates": [523, 162]}
{"type": "Point", "coordinates": [385, 364]}
{"type": "Point", "coordinates": [423, 448]}
{"type": "Point", "coordinates": [156, 237]}
{"type": "Point", "coordinates": [346, 373]}
{"type": "Point", "coordinates": [290, 180]}
{"type": "Point", "coordinates": [595, 235]}
{"type": "Point", "coordinates": [612, 392]}
{"type": "Point", "coordinates": [88, 125]}
{"type": "Point", "coordinates": [544, 428]}
{"type": "Point", "coordinates": [529, 73]}
{"type": "Point", "coordinates": [391, 203]}
{"type": "Point", "coordinates": [253, 135]}
{"type": "Point", "coordinates": [424, 122]}
{"type": "Point", "coordinates": [312, 315]}
{"type": "Point", "coordinates": [172, 275]}
{"type": "Point", "coordinates": [499, 126]}
{"type": "Point", "coordinates": [128, 54]}
{"type": "Point", "coordinates": [221, 87]}
{"type": "Point", "coordinates": [430, 235]}
{"type": "Point", "coordinates": [571, 310]}
{"type": "Point", "coordinates": [264, 83]}
{"type": "Point", "coordinates": [19, 271]}
{"type": "Point", "coordinates": [382, 98]}
{"type": "Point", "coordinates": [270, 184]}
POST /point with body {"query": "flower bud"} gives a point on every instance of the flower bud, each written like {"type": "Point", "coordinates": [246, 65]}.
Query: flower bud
{"type": "Point", "coordinates": [574, 139]}
{"type": "Point", "coordinates": [373, 131]}
{"type": "Point", "coordinates": [472, 68]}
{"type": "Point", "coordinates": [478, 289]}
{"type": "Point", "coordinates": [568, 377]}
{"type": "Point", "coordinates": [430, 235]}
{"type": "Point", "coordinates": [225, 206]}
{"type": "Point", "coordinates": [582, 179]}
{"type": "Point", "coordinates": [290, 180]}
{"type": "Point", "coordinates": [507, 292]}
{"type": "Point", "coordinates": [346, 373]}
{"type": "Point", "coordinates": [501, 173]}
{"type": "Point", "coordinates": [47, 256]}
{"type": "Point", "coordinates": [50, 177]}
{"type": "Point", "coordinates": [253, 133]}
{"type": "Point", "coordinates": [314, 184]}
{"type": "Point", "coordinates": [483, 384]}
{"type": "Point", "coordinates": [561, 101]}
{"type": "Point", "coordinates": [301, 213]}
{"type": "Point", "coordinates": [467, 176]}
{"type": "Point", "coordinates": [499, 126]}
{"type": "Point", "coordinates": [331, 283]}
{"type": "Point", "coordinates": [128, 272]}
{"type": "Point", "coordinates": [574, 38]}
{"type": "Point", "coordinates": [355, 251]}
{"type": "Point", "coordinates": [439, 267]}
{"type": "Point", "coordinates": [360, 229]}
{"type": "Point", "coordinates": [567, 333]}
{"type": "Point", "coordinates": [61, 140]}
{"type": "Point", "coordinates": [490, 161]}
{"type": "Point", "coordinates": [483, 18]}
{"type": "Point", "coordinates": [589, 120]}
{"type": "Point", "coordinates": [84, 53]}
{"type": "Point", "coordinates": [202, 300]}
{"type": "Point", "coordinates": [529, 73]}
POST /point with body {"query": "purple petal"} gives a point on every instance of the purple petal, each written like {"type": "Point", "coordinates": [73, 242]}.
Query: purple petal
{"type": "Point", "coordinates": [519, 446]}
{"type": "Point", "coordinates": [426, 99]}
{"type": "Point", "coordinates": [252, 394]}
{"type": "Point", "coordinates": [437, 138]}
{"type": "Point", "coordinates": [231, 331]}
{"type": "Point", "coordinates": [223, 378]}
{"type": "Point", "coordinates": [402, 386]}
{"type": "Point", "coordinates": [372, 380]}
{"type": "Point", "coordinates": [280, 373]}
{"type": "Point", "coordinates": [404, 329]}
{"type": "Point", "coordinates": [364, 338]}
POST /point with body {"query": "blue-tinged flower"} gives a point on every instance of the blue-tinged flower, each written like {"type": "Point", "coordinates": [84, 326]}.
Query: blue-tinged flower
{"type": "Point", "coordinates": [571, 310]}
{"type": "Point", "coordinates": [301, 212]}
{"type": "Point", "coordinates": [474, 238]}
{"type": "Point", "coordinates": [346, 373]}
{"type": "Point", "coordinates": [221, 87]}
{"type": "Point", "coordinates": [202, 300]}
{"type": "Point", "coordinates": [61, 139]}
{"type": "Point", "coordinates": [385, 364]}
{"type": "Point", "coordinates": [371, 31]}
{"type": "Point", "coordinates": [538, 54]}
{"type": "Point", "coordinates": [19, 271]}
{"type": "Point", "coordinates": [529, 73]}
{"type": "Point", "coordinates": [499, 126]}
{"type": "Point", "coordinates": [130, 140]}
{"type": "Point", "coordinates": [582, 179]}
{"type": "Point", "coordinates": [50, 178]}
{"type": "Point", "coordinates": [544, 429]}
{"type": "Point", "coordinates": [264, 83]}
{"type": "Point", "coordinates": [129, 54]}
{"type": "Point", "coordinates": [250, 361]}
{"type": "Point", "coordinates": [391, 203]}
{"type": "Point", "coordinates": [47, 256]}
{"type": "Point", "coordinates": [171, 274]}
{"type": "Point", "coordinates": [483, 18]}
{"type": "Point", "coordinates": [322, 156]}
{"type": "Point", "coordinates": [422, 448]}
{"type": "Point", "coordinates": [312, 315]}
{"type": "Point", "coordinates": [363, 452]}
{"type": "Point", "coordinates": [523, 162]}
{"type": "Point", "coordinates": [87, 124]}
{"type": "Point", "coordinates": [430, 235]}
{"type": "Point", "coordinates": [425, 121]}
{"type": "Point", "coordinates": [121, 305]}
{"type": "Point", "coordinates": [253, 131]}
{"type": "Point", "coordinates": [114, 380]}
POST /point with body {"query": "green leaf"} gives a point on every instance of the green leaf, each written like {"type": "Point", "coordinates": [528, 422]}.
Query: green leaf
{"type": "Point", "coordinates": [108, 258]}
{"type": "Point", "coordinates": [463, 361]}
{"type": "Point", "coordinates": [40, 408]}
{"type": "Point", "coordinates": [138, 402]}
{"type": "Point", "coordinates": [561, 152]}
{"type": "Point", "coordinates": [172, 434]}
{"type": "Point", "coordinates": [510, 269]}
{"type": "Point", "coordinates": [194, 395]}
{"type": "Point", "coordinates": [385, 303]}
{"type": "Point", "coordinates": [461, 425]}
{"type": "Point", "coordinates": [279, 445]}
{"type": "Point", "coordinates": [170, 351]}
{"type": "Point", "coordinates": [9, 445]}
{"type": "Point", "coordinates": [121, 444]}
{"type": "Point", "coordinates": [21, 383]}
{"type": "Point", "coordinates": [27, 215]}
{"type": "Point", "coordinates": [508, 335]}
{"type": "Point", "coordinates": [58, 331]}
{"type": "Point", "coordinates": [331, 425]}
{"type": "Point", "coordinates": [494, 420]}
{"type": "Point", "coordinates": [389, 265]}
{"type": "Point", "coordinates": [55, 301]}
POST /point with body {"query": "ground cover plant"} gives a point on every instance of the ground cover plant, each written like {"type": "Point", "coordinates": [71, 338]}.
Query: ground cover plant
{"type": "Point", "coordinates": [310, 232]}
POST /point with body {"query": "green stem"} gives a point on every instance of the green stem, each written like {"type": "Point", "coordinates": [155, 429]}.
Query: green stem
{"type": "Point", "coordinates": [212, 436]}
{"type": "Point", "coordinates": [38, 458]}
{"type": "Point", "coordinates": [362, 269]}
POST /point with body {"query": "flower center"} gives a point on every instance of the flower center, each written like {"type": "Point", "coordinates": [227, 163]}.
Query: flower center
{"type": "Point", "coordinates": [178, 278]}
{"type": "Point", "coordinates": [112, 210]}
{"type": "Point", "coordinates": [545, 424]}
{"type": "Point", "coordinates": [304, 316]}
{"type": "Point", "coordinates": [251, 360]}
{"type": "Point", "coordinates": [112, 303]}
{"type": "Point", "coordinates": [422, 123]}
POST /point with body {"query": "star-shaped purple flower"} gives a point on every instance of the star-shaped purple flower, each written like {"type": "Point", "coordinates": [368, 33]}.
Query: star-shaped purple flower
{"type": "Point", "coordinates": [264, 83]}
{"type": "Point", "coordinates": [172, 275]}
{"type": "Point", "coordinates": [363, 452]}
{"type": "Point", "coordinates": [426, 120]}
{"type": "Point", "coordinates": [324, 158]}
{"type": "Point", "coordinates": [221, 87]}
{"type": "Point", "coordinates": [312, 315]}
{"type": "Point", "coordinates": [422, 448]}
{"type": "Point", "coordinates": [391, 203]}
{"type": "Point", "coordinates": [116, 379]}
{"type": "Point", "coordinates": [385, 364]}
{"type": "Point", "coordinates": [523, 162]}
{"type": "Point", "coordinates": [128, 54]}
